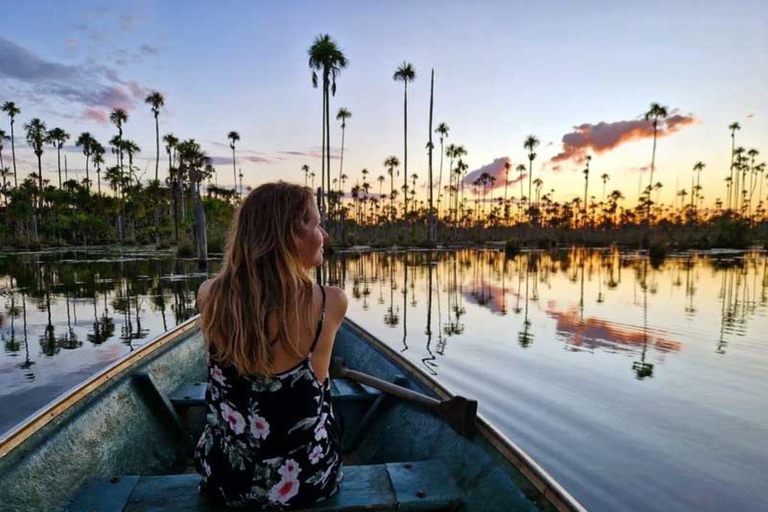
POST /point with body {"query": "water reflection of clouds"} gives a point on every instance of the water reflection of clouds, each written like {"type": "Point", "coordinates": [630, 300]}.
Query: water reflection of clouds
{"type": "Point", "coordinates": [488, 296]}
{"type": "Point", "coordinates": [590, 334]}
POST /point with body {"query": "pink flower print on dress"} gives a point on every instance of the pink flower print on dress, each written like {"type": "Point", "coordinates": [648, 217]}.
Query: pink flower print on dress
{"type": "Point", "coordinates": [259, 426]}
{"type": "Point", "coordinates": [290, 469]}
{"type": "Point", "coordinates": [218, 375]}
{"type": "Point", "coordinates": [284, 490]}
{"type": "Point", "coordinates": [234, 418]}
{"type": "Point", "coordinates": [316, 454]}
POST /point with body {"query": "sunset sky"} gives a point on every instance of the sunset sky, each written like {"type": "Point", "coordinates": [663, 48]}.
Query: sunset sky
{"type": "Point", "coordinates": [578, 75]}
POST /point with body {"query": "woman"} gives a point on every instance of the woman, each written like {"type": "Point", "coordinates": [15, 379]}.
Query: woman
{"type": "Point", "coordinates": [271, 440]}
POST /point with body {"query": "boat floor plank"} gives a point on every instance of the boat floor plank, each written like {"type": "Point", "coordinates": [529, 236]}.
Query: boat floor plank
{"type": "Point", "coordinates": [425, 485]}
{"type": "Point", "coordinates": [104, 494]}
{"type": "Point", "coordinates": [408, 486]}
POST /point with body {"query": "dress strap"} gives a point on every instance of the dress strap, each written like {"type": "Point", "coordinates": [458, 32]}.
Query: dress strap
{"type": "Point", "coordinates": [319, 322]}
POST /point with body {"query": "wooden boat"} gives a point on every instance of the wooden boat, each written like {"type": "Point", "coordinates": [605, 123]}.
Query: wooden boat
{"type": "Point", "coordinates": [121, 441]}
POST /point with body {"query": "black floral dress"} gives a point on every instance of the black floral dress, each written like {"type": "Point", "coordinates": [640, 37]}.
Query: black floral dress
{"type": "Point", "coordinates": [269, 443]}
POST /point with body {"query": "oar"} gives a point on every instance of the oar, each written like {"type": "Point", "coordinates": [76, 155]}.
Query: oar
{"type": "Point", "coordinates": [458, 412]}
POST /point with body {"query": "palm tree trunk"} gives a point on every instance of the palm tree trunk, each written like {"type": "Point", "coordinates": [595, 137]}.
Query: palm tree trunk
{"type": "Point", "coordinates": [323, 212]}
{"type": "Point", "coordinates": [653, 165]}
{"type": "Point", "coordinates": [328, 145]}
{"type": "Point", "coordinates": [392, 195]}
{"type": "Point", "coordinates": [730, 185]}
{"type": "Point", "coordinates": [201, 233]}
{"type": "Point", "coordinates": [506, 208]}
{"type": "Point", "coordinates": [175, 192]}
{"type": "Point", "coordinates": [341, 164]}
{"type": "Point", "coordinates": [13, 157]}
{"type": "Point", "coordinates": [234, 168]}
{"type": "Point", "coordinates": [87, 173]}
{"type": "Point", "coordinates": [40, 181]}
{"type": "Point", "coordinates": [530, 175]}
{"type": "Point", "coordinates": [58, 160]}
{"type": "Point", "coordinates": [432, 226]}
{"type": "Point", "coordinates": [586, 187]}
{"type": "Point", "coordinates": [157, 148]}
{"type": "Point", "coordinates": [405, 144]}
{"type": "Point", "coordinates": [440, 178]}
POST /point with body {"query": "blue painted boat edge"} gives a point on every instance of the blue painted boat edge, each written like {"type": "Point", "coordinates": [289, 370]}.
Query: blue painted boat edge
{"type": "Point", "coordinates": [550, 489]}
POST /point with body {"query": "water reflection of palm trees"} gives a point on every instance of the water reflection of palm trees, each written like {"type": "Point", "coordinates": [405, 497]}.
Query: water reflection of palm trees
{"type": "Point", "coordinates": [437, 283]}
{"type": "Point", "coordinates": [454, 327]}
{"type": "Point", "coordinates": [391, 317]}
{"type": "Point", "coordinates": [642, 368]}
{"type": "Point", "coordinates": [525, 336]}
{"type": "Point", "coordinates": [57, 282]}
{"type": "Point", "coordinates": [429, 362]}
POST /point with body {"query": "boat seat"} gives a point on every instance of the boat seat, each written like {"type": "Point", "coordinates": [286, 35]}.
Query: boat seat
{"type": "Point", "coordinates": [425, 485]}
{"type": "Point", "coordinates": [192, 394]}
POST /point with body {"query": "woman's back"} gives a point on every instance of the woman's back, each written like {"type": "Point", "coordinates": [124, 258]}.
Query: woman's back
{"type": "Point", "coordinates": [273, 441]}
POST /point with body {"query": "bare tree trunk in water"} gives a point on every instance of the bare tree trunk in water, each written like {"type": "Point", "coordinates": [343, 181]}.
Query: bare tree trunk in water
{"type": "Point", "coordinates": [201, 233]}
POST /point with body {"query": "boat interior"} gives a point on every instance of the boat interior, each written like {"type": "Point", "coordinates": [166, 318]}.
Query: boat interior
{"type": "Point", "coordinates": [125, 444]}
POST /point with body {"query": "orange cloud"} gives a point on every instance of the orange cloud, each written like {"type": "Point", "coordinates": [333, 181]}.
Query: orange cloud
{"type": "Point", "coordinates": [603, 137]}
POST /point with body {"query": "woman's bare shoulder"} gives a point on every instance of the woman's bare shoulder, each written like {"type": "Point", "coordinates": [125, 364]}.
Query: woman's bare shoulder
{"type": "Point", "coordinates": [336, 302]}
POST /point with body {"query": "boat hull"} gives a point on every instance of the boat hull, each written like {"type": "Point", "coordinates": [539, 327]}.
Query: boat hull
{"type": "Point", "coordinates": [118, 423]}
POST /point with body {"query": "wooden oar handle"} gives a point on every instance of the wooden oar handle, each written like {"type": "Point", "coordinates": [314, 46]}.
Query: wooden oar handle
{"type": "Point", "coordinates": [388, 387]}
{"type": "Point", "coordinates": [458, 411]}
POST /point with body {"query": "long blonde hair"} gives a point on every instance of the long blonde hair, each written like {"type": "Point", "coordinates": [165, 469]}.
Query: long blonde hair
{"type": "Point", "coordinates": [262, 282]}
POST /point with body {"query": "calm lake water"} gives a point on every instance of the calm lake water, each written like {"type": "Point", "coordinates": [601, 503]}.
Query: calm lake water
{"type": "Point", "coordinates": [637, 386]}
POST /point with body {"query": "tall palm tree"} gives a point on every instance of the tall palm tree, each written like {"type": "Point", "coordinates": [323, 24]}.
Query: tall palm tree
{"type": "Point", "coordinates": [507, 167]}
{"type": "Point", "coordinates": [655, 112]}
{"type": "Point", "coordinates": [97, 150]}
{"type": "Point", "coordinates": [233, 137]}
{"type": "Point", "coordinates": [605, 179]}
{"type": "Point", "coordinates": [3, 137]}
{"type": "Point", "coordinates": [156, 100]}
{"type": "Point", "coordinates": [458, 152]}
{"type": "Point", "coordinates": [697, 168]}
{"type": "Point", "coordinates": [171, 141]}
{"type": "Point", "coordinates": [734, 127]}
{"type": "Point", "coordinates": [586, 188]}
{"type": "Point", "coordinates": [530, 144]}
{"type": "Point", "coordinates": [37, 135]}
{"type": "Point", "coordinates": [132, 149]}
{"type": "Point", "coordinates": [4, 173]}
{"type": "Point", "coordinates": [442, 130]}
{"type": "Point", "coordinates": [752, 153]}
{"type": "Point", "coordinates": [327, 58]}
{"type": "Point", "coordinates": [12, 111]}
{"type": "Point", "coordinates": [342, 115]}
{"type": "Point", "coordinates": [195, 162]}
{"type": "Point", "coordinates": [521, 169]}
{"type": "Point", "coordinates": [305, 169]}
{"type": "Point", "coordinates": [738, 154]}
{"type": "Point", "coordinates": [57, 137]}
{"type": "Point", "coordinates": [86, 140]}
{"type": "Point", "coordinates": [119, 117]}
{"type": "Point", "coordinates": [405, 73]}
{"type": "Point", "coordinates": [391, 164]}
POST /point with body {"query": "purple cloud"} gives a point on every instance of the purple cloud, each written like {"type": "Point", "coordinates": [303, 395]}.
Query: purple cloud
{"type": "Point", "coordinates": [496, 170]}
{"type": "Point", "coordinates": [93, 87]}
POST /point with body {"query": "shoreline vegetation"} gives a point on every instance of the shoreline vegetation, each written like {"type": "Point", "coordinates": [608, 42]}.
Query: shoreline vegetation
{"type": "Point", "coordinates": [188, 210]}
